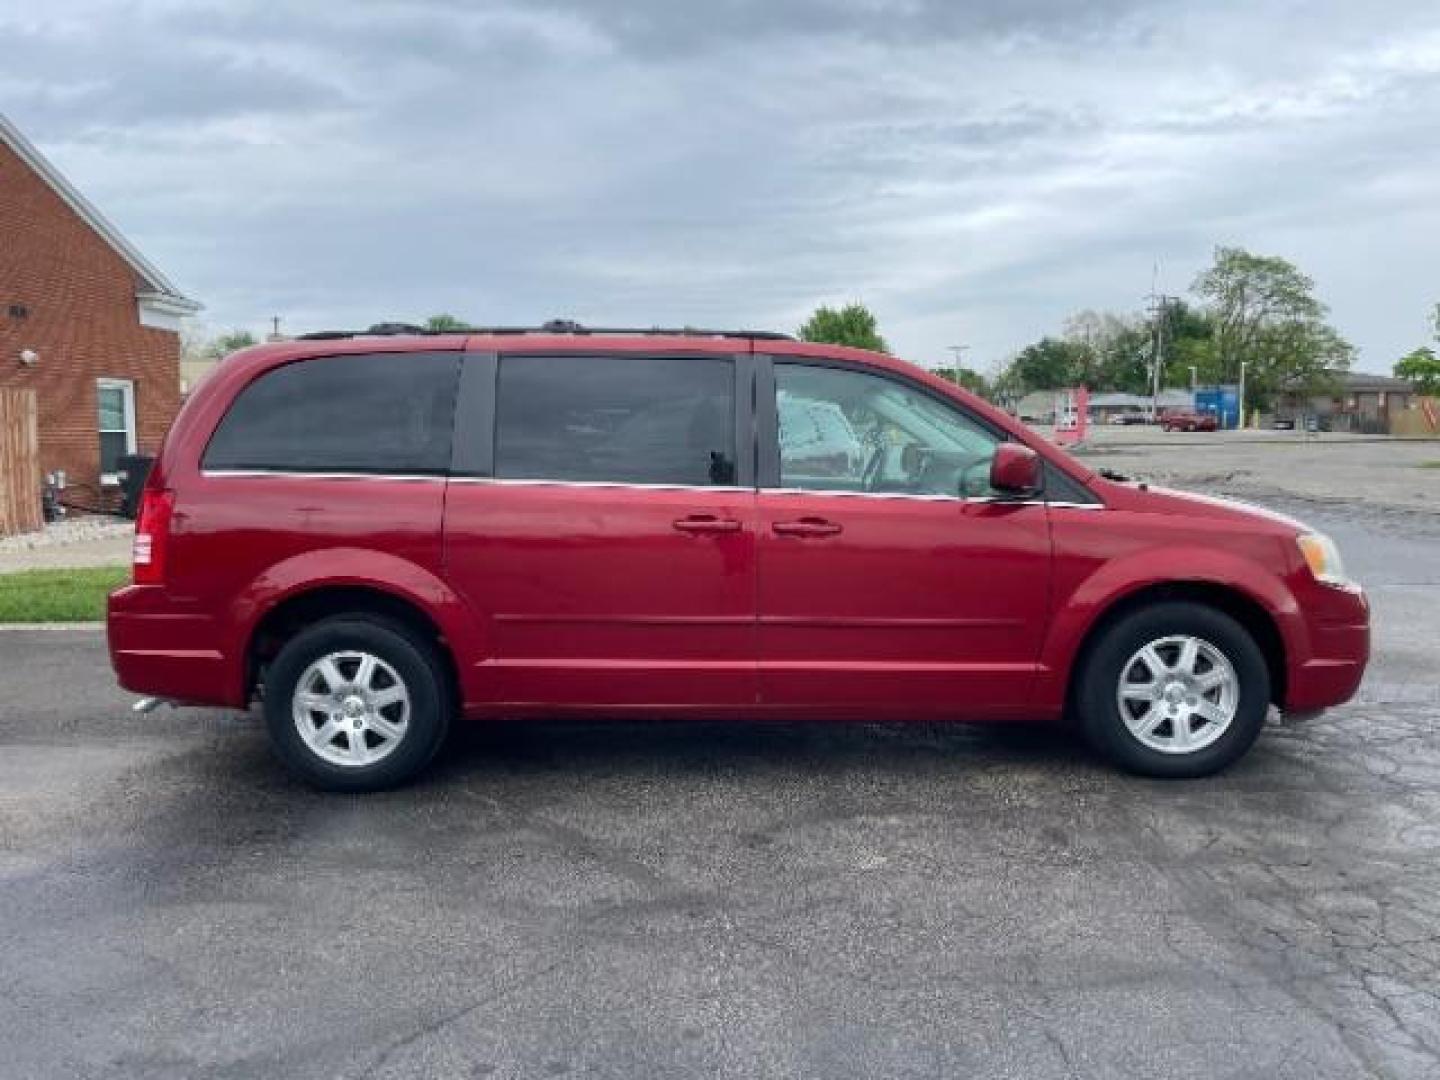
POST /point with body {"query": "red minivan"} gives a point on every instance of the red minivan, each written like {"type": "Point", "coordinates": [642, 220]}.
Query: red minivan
{"type": "Point", "coordinates": [372, 533]}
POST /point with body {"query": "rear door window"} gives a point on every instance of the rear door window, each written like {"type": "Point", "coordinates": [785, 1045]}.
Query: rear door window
{"type": "Point", "coordinates": [616, 419]}
{"type": "Point", "coordinates": [382, 413]}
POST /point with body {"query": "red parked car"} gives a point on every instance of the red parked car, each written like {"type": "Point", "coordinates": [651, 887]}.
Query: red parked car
{"type": "Point", "coordinates": [1189, 421]}
{"type": "Point", "coordinates": [374, 534]}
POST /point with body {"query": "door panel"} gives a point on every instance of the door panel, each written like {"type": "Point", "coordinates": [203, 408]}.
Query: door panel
{"type": "Point", "coordinates": [914, 607]}
{"type": "Point", "coordinates": [596, 596]}
{"type": "Point", "coordinates": [611, 552]}
{"type": "Point", "coordinates": [889, 581]}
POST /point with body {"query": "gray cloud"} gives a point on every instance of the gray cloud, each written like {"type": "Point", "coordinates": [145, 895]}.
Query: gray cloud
{"type": "Point", "coordinates": [974, 171]}
{"type": "Point", "coordinates": [658, 24]}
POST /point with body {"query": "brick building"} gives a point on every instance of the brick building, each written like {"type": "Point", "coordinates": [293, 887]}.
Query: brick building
{"type": "Point", "coordinates": [86, 321]}
{"type": "Point", "coordinates": [1358, 401]}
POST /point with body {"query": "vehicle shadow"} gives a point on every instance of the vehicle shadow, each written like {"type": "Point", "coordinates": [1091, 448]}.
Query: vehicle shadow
{"type": "Point", "coordinates": [475, 750]}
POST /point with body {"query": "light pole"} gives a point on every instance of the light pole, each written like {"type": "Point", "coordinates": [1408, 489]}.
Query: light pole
{"type": "Point", "coordinates": [1194, 379]}
{"type": "Point", "coordinates": [1243, 365]}
{"type": "Point", "coordinates": [959, 353]}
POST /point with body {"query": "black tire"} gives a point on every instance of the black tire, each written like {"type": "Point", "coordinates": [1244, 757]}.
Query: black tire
{"type": "Point", "coordinates": [1106, 663]}
{"type": "Point", "coordinates": [420, 673]}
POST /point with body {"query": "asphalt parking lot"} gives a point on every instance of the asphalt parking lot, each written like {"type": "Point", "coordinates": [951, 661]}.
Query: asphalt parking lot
{"type": "Point", "coordinates": [731, 901]}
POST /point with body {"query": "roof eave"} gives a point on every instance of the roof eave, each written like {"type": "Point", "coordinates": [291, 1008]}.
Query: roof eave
{"type": "Point", "coordinates": [169, 303]}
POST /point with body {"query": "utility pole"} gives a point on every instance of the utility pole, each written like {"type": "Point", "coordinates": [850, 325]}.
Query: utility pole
{"type": "Point", "coordinates": [1241, 394]}
{"type": "Point", "coordinates": [1159, 306]}
{"type": "Point", "coordinates": [958, 351]}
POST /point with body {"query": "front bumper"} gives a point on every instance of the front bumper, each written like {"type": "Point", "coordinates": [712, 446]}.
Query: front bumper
{"type": "Point", "coordinates": [1339, 652]}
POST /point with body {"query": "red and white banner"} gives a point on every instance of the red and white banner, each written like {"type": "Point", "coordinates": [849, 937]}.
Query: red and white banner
{"type": "Point", "coordinates": [1072, 415]}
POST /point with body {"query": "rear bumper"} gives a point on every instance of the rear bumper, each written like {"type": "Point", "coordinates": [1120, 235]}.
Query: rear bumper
{"type": "Point", "coordinates": [159, 649]}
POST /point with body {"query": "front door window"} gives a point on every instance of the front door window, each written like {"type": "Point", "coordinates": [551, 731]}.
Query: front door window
{"type": "Point", "coordinates": [849, 431]}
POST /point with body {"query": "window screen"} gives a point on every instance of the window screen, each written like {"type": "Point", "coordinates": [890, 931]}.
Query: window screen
{"type": "Point", "coordinates": [617, 419]}
{"type": "Point", "coordinates": [386, 413]}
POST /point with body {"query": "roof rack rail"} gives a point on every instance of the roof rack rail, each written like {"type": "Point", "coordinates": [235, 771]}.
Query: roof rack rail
{"type": "Point", "coordinates": [384, 329]}
{"type": "Point", "coordinates": [554, 326]}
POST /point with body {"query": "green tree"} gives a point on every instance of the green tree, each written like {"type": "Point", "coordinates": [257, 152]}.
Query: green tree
{"type": "Point", "coordinates": [444, 322]}
{"type": "Point", "coordinates": [1006, 389]}
{"type": "Point", "coordinates": [963, 376]}
{"type": "Point", "coordinates": [1189, 343]}
{"type": "Point", "coordinates": [233, 341]}
{"type": "Point", "coordinates": [1050, 363]}
{"type": "Point", "coordinates": [851, 325]}
{"type": "Point", "coordinates": [1300, 357]}
{"type": "Point", "coordinates": [1421, 367]}
{"type": "Point", "coordinates": [1264, 313]}
{"type": "Point", "coordinates": [1116, 350]}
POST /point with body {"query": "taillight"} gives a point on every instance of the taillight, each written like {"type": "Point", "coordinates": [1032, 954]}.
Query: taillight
{"type": "Point", "coordinates": [152, 536]}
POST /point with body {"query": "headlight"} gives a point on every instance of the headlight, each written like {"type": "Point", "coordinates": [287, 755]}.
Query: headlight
{"type": "Point", "coordinates": [1323, 558]}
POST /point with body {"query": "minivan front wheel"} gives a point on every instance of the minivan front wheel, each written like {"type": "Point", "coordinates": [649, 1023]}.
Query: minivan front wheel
{"type": "Point", "coordinates": [1175, 689]}
{"type": "Point", "coordinates": [356, 703]}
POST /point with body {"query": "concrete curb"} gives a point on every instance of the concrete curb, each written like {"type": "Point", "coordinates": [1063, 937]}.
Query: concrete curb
{"type": "Point", "coordinates": [87, 625]}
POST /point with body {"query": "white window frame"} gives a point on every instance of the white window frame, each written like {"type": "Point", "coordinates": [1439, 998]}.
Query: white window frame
{"type": "Point", "coordinates": [127, 390]}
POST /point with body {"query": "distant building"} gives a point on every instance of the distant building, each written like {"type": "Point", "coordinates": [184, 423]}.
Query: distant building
{"type": "Point", "coordinates": [1361, 402]}
{"type": "Point", "coordinates": [86, 322]}
{"type": "Point", "coordinates": [1105, 407]}
{"type": "Point", "coordinates": [1221, 401]}
{"type": "Point", "coordinates": [1038, 406]}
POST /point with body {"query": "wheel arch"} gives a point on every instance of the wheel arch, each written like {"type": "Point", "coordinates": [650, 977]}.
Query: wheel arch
{"type": "Point", "coordinates": [1249, 612]}
{"type": "Point", "coordinates": [306, 606]}
{"type": "Point", "coordinates": [330, 581]}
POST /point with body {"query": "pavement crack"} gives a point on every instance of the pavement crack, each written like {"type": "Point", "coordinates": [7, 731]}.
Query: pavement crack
{"type": "Point", "coordinates": [454, 1016]}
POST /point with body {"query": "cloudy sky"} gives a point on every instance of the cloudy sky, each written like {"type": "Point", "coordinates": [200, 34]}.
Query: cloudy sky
{"type": "Point", "coordinates": [974, 171]}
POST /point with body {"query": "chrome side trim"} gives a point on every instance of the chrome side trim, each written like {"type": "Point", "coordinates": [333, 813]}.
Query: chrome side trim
{"type": "Point", "coordinates": [729, 489]}
{"type": "Point", "coordinates": [912, 496]}
{"type": "Point", "coordinates": [222, 473]}
{"type": "Point", "coordinates": [512, 482]}
{"type": "Point", "coordinates": [931, 498]}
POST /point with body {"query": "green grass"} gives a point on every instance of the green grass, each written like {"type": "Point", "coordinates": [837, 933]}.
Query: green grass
{"type": "Point", "coordinates": [33, 596]}
{"type": "Point", "coordinates": [1428, 465]}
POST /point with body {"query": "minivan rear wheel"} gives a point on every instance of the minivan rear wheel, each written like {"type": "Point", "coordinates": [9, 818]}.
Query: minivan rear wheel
{"type": "Point", "coordinates": [1174, 689]}
{"type": "Point", "coordinates": [356, 703]}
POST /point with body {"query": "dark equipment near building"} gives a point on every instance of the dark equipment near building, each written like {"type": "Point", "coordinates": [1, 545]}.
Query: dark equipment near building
{"type": "Point", "coordinates": [133, 471]}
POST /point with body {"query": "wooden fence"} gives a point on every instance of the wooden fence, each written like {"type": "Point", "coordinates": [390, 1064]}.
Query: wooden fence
{"type": "Point", "coordinates": [19, 463]}
{"type": "Point", "coordinates": [1421, 419]}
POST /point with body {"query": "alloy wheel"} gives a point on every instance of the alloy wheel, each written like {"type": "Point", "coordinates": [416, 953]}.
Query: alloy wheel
{"type": "Point", "coordinates": [1178, 694]}
{"type": "Point", "coordinates": [352, 709]}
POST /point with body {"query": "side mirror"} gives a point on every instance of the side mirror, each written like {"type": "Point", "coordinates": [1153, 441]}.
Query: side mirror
{"type": "Point", "coordinates": [1016, 471]}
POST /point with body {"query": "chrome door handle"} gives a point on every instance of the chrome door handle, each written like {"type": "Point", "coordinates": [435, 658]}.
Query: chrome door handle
{"type": "Point", "coordinates": [807, 527]}
{"type": "Point", "coordinates": [704, 523]}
